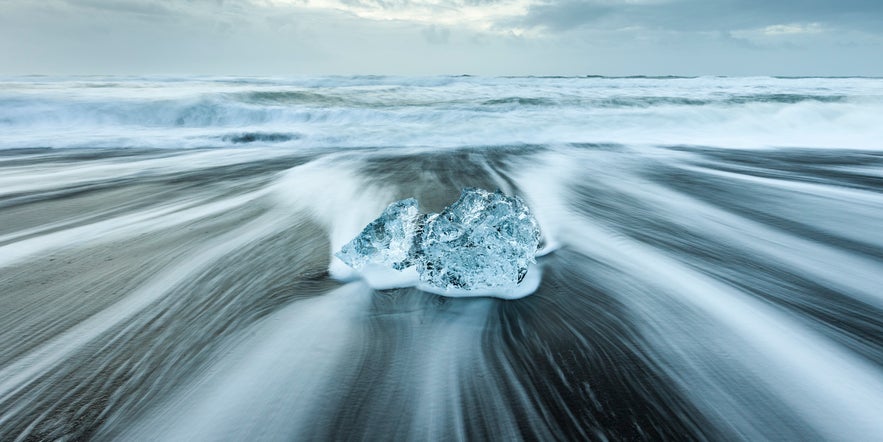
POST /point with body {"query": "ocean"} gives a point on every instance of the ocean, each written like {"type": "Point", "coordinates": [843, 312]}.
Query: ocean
{"type": "Point", "coordinates": [712, 266]}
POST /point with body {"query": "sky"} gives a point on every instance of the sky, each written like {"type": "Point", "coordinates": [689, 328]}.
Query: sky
{"type": "Point", "coordinates": [429, 37]}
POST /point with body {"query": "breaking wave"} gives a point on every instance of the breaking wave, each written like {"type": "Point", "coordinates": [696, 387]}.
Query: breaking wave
{"type": "Point", "coordinates": [441, 111]}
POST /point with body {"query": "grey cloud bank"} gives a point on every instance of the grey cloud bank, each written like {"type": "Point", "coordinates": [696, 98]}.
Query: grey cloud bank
{"type": "Point", "coordinates": [705, 15]}
{"type": "Point", "coordinates": [504, 37]}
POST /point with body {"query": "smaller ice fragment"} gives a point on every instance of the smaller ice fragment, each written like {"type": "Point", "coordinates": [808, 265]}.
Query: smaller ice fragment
{"type": "Point", "coordinates": [484, 240]}
{"type": "Point", "coordinates": [388, 240]}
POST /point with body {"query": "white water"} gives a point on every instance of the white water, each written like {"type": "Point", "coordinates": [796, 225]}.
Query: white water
{"type": "Point", "coordinates": [334, 112]}
{"type": "Point", "coordinates": [708, 291]}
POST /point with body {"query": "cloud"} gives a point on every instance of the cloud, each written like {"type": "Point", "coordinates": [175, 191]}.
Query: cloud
{"type": "Point", "coordinates": [566, 15]}
{"type": "Point", "coordinates": [146, 8]}
{"type": "Point", "coordinates": [536, 17]}
{"type": "Point", "coordinates": [702, 15]}
{"type": "Point", "coordinates": [473, 14]}
{"type": "Point", "coordinates": [793, 29]}
{"type": "Point", "coordinates": [127, 7]}
{"type": "Point", "coordinates": [505, 37]}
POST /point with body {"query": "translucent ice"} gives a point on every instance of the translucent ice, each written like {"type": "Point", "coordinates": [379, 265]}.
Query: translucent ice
{"type": "Point", "coordinates": [483, 242]}
{"type": "Point", "coordinates": [388, 240]}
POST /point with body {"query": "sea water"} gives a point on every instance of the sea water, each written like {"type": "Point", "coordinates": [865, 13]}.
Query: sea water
{"type": "Point", "coordinates": [710, 268]}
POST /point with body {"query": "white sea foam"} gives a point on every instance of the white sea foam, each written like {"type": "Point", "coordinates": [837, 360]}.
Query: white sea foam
{"type": "Point", "coordinates": [440, 111]}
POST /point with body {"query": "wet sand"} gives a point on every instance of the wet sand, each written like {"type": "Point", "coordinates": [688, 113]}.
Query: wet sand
{"type": "Point", "coordinates": [185, 295]}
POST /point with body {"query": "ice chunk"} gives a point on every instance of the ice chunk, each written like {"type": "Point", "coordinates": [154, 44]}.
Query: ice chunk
{"type": "Point", "coordinates": [484, 240]}
{"type": "Point", "coordinates": [482, 245]}
{"type": "Point", "coordinates": [388, 240]}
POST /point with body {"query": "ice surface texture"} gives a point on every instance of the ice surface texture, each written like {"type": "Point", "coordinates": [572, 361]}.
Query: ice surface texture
{"type": "Point", "coordinates": [388, 240]}
{"type": "Point", "coordinates": [485, 240]}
